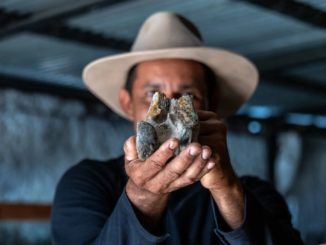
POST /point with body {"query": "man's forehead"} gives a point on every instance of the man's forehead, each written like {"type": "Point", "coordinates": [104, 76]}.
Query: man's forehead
{"type": "Point", "coordinates": [183, 73]}
{"type": "Point", "coordinates": [174, 67]}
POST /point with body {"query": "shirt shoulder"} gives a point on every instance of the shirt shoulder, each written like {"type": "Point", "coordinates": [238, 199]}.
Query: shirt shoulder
{"type": "Point", "coordinates": [91, 176]}
{"type": "Point", "coordinates": [94, 168]}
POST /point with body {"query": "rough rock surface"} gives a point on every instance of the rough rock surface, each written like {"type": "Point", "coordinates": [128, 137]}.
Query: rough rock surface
{"type": "Point", "coordinates": [167, 118]}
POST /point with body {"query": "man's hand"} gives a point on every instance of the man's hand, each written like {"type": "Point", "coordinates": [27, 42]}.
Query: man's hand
{"type": "Point", "coordinates": [151, 181]}
{"type": "Point", "coordinates": [222, 182]}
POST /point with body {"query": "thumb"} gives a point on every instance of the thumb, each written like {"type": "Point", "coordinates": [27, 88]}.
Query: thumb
{"type": "Point", "coordinates": [130, 149]}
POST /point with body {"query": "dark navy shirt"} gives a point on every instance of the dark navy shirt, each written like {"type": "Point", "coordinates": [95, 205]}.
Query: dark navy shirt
{"type": "Point", "coordinates": [91, 207]}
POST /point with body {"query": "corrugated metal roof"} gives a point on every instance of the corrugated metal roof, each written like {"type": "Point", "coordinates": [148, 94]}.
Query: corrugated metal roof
{"type": "Point", "coordinates": [33, 5]}
{"type": "Point", "coordinates": [233, 25]}
{"type": "Point", "coordinates": [40, 56]}
{"type": "Point", "coordinates": [257, 32]}
{"type": "Point", "coordinates": [315, 72]}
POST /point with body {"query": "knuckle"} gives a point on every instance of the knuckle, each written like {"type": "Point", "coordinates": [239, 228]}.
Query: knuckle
{"type": "Point", "coordinates": [138, 182]}
{"type": "Point", "coordinates": [155, 164]}
{"type": "Point", "coordinates": [138, 175]}
{"type": "Point", "coordinates": [172, 174]}
{"type": "Point", "coordinates": [138, 179]}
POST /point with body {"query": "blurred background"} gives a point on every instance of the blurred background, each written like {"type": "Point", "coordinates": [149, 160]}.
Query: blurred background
{"type": "Point", "coordinates": [49, 122]}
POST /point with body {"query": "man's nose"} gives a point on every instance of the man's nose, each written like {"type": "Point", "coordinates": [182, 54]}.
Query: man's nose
{"type": "Point", "coordinates": [173, 95]}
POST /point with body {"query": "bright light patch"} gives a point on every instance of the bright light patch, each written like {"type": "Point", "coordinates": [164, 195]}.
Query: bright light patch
{"type": "Point", "coordinates": [320, 121]}
{"type": "Point", "coordinates": [299, 119]}
{"type": "Point", "coordinates": [254, 127]}
{"type": "Point", "coordinates": [261, 112]}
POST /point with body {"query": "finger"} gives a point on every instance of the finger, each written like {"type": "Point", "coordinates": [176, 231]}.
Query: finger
{"type": "Point", "coordinates": [193, 173]}
{"type": "Point", "coordinates": [213, 139]}
{"type": "Point", "coordinates": [178, 165]}
{"type": "Point", "coordinates": [211, 163]}
{"type": "Point", "coordinates": [211, 125]}
{"type": "Point", "coordinates": [208, 126]}
{"type": "Point", "coordinates": [143, 171]}
{"type": "Point", "coordinates": [161, 156]}
{"type": "Point", "coordinates": [205, 115]}
{"type": "Point", "coordinates": [130, 149]}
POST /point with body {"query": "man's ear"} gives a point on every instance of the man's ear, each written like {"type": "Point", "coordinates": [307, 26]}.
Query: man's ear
{"type": "Point", "coordinates": [126, 103]}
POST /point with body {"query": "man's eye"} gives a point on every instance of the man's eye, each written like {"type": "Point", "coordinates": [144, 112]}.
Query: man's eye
{"type": "Point", "coordinates": [150, 93]}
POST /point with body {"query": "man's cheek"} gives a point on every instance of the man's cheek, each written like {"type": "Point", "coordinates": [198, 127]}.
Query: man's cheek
{"type": "Point", "coordinates": [141, 114]}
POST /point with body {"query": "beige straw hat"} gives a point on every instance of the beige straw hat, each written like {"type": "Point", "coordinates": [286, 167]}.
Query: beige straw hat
{"type": "Point", "coordinates": [166, 35]}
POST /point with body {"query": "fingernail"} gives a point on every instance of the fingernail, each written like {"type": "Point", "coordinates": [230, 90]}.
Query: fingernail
{"type": "Point", "coordinates": [210, 165]}
{"type": "Point", "coordinates": [193, 151]}
{"type": "Point", "coordinates": [129, 158]}
{"type": "Point", "coordinates": [205, 154]}
{"type": "Point", "coordinates": [173, 144]}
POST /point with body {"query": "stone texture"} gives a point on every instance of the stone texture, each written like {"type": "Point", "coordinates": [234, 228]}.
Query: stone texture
{"type": "Point", "coordinates": [167, 118]}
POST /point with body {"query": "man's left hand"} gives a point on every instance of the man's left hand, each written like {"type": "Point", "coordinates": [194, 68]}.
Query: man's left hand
{"type": "Point", "coordinates": [222, 181]}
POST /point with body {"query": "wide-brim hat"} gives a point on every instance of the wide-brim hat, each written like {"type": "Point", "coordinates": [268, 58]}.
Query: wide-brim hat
{"type": "Point", "coordinates": [165, 35]}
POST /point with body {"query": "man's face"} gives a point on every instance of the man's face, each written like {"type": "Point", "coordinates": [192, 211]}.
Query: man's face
{"type": "Point", "coordinates": [173, 77]}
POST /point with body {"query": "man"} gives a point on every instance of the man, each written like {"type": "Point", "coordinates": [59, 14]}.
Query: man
{"type": "Point", "coordinates": [192, 198]}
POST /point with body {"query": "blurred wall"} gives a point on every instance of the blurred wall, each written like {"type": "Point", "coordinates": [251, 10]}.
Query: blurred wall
{"type": "Point", "coordinates": [41, 136]}
{"type": "Point", "coordinates": [306, 197]}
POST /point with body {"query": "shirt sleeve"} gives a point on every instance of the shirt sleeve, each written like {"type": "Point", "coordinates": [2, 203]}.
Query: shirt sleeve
{"type": "Point", "coordinates": [266, 221]}
{"type": "Point", "coordinates": [85, 212]}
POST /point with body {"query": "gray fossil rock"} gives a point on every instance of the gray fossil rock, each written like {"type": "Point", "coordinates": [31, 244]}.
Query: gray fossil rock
{"type": "Point", "coordinates": [167, 118]}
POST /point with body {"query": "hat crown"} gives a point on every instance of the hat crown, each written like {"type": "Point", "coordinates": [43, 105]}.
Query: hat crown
{"type": "Point", "coordinates": [171, 36]}
{"type": "Point", "coordinates": [164, 30]}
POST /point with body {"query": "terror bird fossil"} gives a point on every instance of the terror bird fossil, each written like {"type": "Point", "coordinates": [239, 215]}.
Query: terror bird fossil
{"type": "Point", "coordinates": [167, 118]}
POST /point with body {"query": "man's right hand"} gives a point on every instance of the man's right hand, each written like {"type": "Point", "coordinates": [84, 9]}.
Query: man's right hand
{"type": "Point", "coordinates": [151, 181]}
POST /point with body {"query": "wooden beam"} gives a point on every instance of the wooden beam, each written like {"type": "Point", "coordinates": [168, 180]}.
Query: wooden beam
{"type": "Point", "coordinates": [19, 211]}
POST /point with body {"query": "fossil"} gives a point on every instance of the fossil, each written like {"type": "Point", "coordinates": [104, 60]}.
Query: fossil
{"type": "Point", "coordinates": [167, 118]}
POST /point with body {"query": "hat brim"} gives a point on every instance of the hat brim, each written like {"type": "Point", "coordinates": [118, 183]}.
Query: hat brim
{"type": "Point", "coordinates": [237, 76]}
